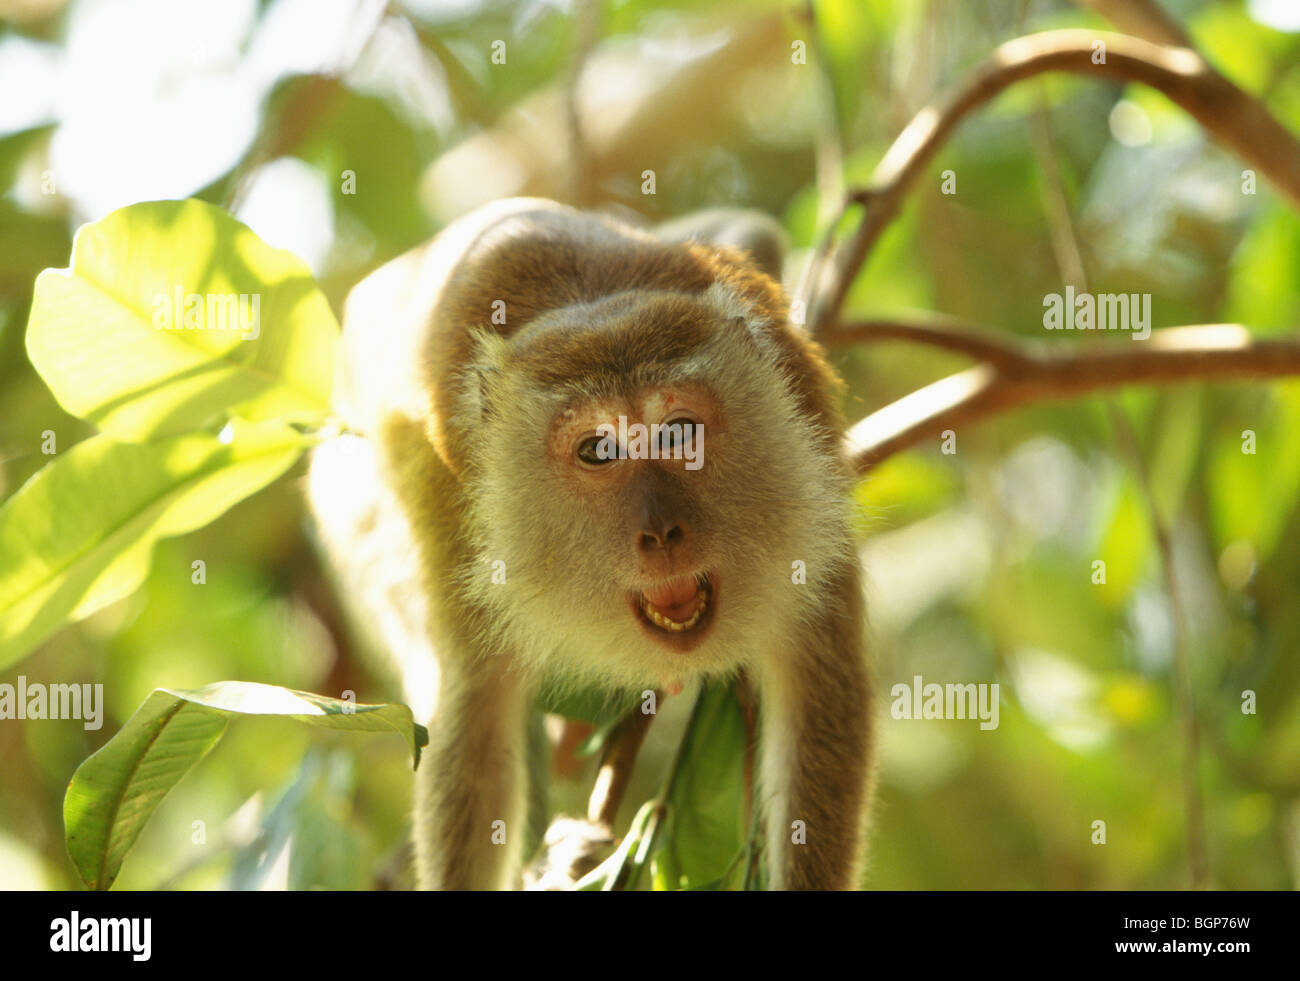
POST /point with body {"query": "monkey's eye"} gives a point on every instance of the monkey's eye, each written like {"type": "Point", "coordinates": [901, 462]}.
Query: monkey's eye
{"type": "Point", "coordinates": [678, 433]}
{"type": "Point", "coordinates": [596, 451]}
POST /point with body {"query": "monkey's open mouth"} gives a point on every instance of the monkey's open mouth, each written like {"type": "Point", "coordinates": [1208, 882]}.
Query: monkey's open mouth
{"type": "Point", "coordinates": [679, 607]}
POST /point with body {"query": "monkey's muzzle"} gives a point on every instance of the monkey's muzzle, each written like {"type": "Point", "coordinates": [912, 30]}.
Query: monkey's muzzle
{"type": "Point", "coordinates": [679, 606]}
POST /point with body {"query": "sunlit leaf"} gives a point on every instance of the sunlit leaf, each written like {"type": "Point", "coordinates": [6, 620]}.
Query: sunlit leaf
{"type": "Point", "coordinates": [79, 534]}
{"type": "Point", "coordinates": [173, 314]}
{"type": "Point", "coordinates": [1237, 45]}
{"type": "Point", "coordinates": [902, 489]}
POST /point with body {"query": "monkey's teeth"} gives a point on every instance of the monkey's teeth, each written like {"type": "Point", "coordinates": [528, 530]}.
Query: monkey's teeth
{"type": "Point", "coordinates": [675, 626]}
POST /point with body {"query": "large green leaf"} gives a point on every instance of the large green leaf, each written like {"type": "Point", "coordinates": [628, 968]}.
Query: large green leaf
{"type": "Point", "coordinates": [114, 792]}
{"type": "Point", "coordinates": [80, 533]}
{"type": "Point", "coordinates": [706, 799]}
{"type": "Point", "coordinates": [112, 337]}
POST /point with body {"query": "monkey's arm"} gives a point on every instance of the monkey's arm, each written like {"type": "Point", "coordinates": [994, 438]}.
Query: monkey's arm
{"type": "Point", "coordinates": [816, 730]}
{"type": "Point", "coordinates": [470, 790]}
{"type": "Point", "coordinates": [471, 786]}
{"type": "Point", "coordinates": [389, 510]}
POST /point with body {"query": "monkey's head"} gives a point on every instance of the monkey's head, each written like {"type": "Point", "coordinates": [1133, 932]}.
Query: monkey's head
{"type": "Point", "coordinates": [648, 498]}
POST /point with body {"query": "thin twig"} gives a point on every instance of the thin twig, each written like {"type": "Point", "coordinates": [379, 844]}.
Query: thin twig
{"type": "Point", "coordinates": [802, 295]}
{"type": "Point", "coordinates": [1193, 803]}
{"type": "Point", "coordinates": [828, 155]}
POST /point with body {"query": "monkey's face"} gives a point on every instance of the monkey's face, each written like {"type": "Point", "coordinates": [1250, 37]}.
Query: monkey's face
{"type": "Point", "coordinates": [649, 489]}
{"type": "Point", "coordinates": [637, 460]}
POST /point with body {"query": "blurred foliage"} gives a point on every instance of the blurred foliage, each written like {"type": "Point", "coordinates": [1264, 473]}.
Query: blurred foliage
{"type": "Point", "coordinates": [114, 793]}
{"type": "Point", "coordinates": [981, 563]}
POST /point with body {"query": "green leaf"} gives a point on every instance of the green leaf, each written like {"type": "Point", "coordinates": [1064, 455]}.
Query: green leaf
{"type": "Point", "coordinates": [80, 533]}
{"type": "Point", "coordinates": [114, 792]}
{"type": "Point", "coordinates": [706, 802]}
{"type": "Point", "coordinates": [120, 343]}
{"type": "Point", "coordinates": [365, 135]}
{"type": "Point", "coordinates": [586, 703]}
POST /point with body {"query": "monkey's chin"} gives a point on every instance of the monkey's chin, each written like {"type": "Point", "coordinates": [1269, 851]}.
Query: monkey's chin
{"type": "Point", "coordinates": [681, 618]}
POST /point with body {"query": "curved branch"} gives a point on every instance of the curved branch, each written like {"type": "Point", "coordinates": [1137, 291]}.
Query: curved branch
{"type": "Point", "coordinates": [961, 338]}
{"type": "Point", "coordinates": [1212, 352]}
{"type": "Point", "coordinates": [1236, 119]}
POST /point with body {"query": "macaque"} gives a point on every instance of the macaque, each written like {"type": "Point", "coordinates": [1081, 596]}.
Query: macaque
{"type": "Point", "coordinates": [578, 449]}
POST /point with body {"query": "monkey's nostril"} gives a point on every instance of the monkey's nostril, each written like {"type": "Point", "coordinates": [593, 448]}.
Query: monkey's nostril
{"type": "Point", "coordinates": [651, 541]}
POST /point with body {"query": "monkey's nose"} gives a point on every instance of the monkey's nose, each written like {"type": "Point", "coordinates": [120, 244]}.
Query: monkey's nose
{"type": "Point", "coordinates": [662, 536]}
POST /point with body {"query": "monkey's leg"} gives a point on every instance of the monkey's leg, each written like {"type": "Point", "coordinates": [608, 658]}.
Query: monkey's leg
{"type": "Point", "coordinates": [470, 788]}
{"type": "Point", "coordinates": [816, 730]}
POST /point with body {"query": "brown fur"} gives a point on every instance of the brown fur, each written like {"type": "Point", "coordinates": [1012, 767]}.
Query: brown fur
{"type": "Point", "coordinates": [541, 260]}
{"type": "Point", "coordinates": [456, 471]}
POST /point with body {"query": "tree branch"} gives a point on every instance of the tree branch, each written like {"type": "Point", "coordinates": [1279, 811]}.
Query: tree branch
{"type": "Point", "coordinates": [1211, 352]}
{"type": "Point", "coordinates": [953, 335]}
{"type": "Point", "coordinates": [1236, 119]}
